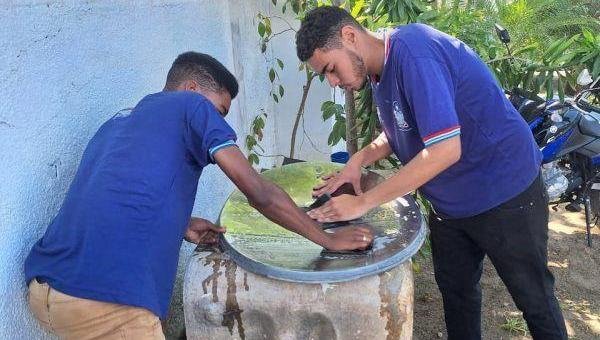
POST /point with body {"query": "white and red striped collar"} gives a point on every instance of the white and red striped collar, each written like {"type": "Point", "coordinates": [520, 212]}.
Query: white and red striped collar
{"type": "Point", "coordinates": [386, 45]}
{"type": "Point", "coordinates": [386, 51]}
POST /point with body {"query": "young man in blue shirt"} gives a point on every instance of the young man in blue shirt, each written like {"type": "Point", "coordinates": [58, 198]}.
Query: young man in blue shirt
{"type": "Point", "coordinates": [461, 144]}
{"type": "Point", "coordinates": [106, 265]}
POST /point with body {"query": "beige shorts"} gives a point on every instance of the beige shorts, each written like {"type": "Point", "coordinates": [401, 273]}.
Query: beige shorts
{"type": "Point", "coordinates": [75, 318]}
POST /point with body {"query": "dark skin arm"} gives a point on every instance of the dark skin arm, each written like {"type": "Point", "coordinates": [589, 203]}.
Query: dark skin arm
{"type": "Point", "coordinates": [277, 206]}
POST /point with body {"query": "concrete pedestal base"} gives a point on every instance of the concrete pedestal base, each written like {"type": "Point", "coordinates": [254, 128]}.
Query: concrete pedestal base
{"type": "Point", "coordinates": [223, 301]}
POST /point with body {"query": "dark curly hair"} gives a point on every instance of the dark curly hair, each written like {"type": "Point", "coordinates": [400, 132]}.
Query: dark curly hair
{"type": "Point", "coordinates": [321, 29]}
{"type": "Point", "coordinates": [207, 71]}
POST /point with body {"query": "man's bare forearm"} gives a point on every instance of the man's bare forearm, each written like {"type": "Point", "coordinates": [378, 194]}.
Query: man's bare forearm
{"type": "Point", "coordinates": [268, 198]}
{"type": "Point", "coordinates": [279, 208]}
{"type": "Point", "coordinates": [422, 168]}
{"type": "Point", "coordinates": [377, 150]}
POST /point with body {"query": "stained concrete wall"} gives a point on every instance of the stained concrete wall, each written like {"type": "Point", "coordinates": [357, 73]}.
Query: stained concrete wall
{"type": "Point", "coordinates": [66, 66]}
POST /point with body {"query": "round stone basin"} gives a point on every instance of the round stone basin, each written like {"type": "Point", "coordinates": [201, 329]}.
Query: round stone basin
{"type": "Point", "coordinates": [260, 246]}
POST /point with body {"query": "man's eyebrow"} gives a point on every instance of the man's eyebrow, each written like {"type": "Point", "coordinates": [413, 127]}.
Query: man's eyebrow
{"type": "Point", "coordinates": [324, 68]}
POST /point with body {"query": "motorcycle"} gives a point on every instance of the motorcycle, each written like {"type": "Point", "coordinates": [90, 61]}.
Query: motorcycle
{"type": "Point", "coordinates": [568, 135]}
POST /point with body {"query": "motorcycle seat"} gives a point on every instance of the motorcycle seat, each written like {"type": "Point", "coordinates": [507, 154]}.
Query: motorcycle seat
{"type": "Point", "coordinates": [589, 126]}
{"type": "Point", "coordinates": [529, 110]}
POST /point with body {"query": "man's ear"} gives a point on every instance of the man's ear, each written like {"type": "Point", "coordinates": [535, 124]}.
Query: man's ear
{"type": "Point", "coordinates": [348, 35]}
{"type": "Point", "coordinates": [190, 85]}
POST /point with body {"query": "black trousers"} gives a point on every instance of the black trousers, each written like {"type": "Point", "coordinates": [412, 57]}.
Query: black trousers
{"type": "Point", "coordinates": [514, 236]}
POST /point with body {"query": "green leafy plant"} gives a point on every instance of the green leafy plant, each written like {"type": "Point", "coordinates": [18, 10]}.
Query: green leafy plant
{"type": "Point", "coordinates": [266, 34]}
{"type": "Point", "coordinates": [254, 138]}
{"type": "Point", "coordinates": [551, 40]}
{"type": "Point", "coordinates": [587, 53]}
{"type": "Point", "coordinates": [392, 12]}
{"type": "Point", "coordinates": [332, 109]}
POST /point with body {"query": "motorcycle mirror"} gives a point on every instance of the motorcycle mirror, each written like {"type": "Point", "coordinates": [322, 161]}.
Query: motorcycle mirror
{"type": "Point", "coordinates": [584, 78]}
{"type": "Point", "coordinates": [502, 33]}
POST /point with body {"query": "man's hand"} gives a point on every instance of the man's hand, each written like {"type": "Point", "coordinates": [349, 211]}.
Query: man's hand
{"type": "Point", "coordinates": [201, 231]}
{"type": "Point", "coordinates": [349, 238]}
{"type": "Point", "coordinates": [340, 208]}
{"type": "Point", "coordinates": [351, 173]}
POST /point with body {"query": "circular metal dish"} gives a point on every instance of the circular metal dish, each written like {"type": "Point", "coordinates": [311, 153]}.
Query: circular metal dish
{"type": "Point", "coordinates": [265, 248]}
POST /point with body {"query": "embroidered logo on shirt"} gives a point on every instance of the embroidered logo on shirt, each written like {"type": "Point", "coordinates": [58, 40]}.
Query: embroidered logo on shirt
{"type": "Point", "coordinates": [400, 121]}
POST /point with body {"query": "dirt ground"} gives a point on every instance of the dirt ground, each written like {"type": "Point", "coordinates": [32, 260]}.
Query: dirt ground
{"type": "Point", "coordinates": [576, 268]}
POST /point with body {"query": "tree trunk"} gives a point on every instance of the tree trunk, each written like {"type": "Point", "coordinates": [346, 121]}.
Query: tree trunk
{"type": "Point", "coordinates": [351, 134]}
{"type": "Point", "coordinates": [305, 89]}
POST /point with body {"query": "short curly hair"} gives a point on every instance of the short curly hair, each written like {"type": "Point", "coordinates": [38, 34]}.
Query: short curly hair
{"type": "Point", "coordinates": [207, 71]}
{"type": "Point", "coordinates": [321, 29]}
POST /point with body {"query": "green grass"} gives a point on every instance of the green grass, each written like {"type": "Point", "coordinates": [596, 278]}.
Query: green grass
{"type": "Point", "coordinates": [515, 325]}
{"type": "Point", "coordinates": [422, 255]}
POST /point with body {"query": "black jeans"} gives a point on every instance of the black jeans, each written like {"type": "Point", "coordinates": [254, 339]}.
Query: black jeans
{"type": "Point", "coordinates": [514, 235]}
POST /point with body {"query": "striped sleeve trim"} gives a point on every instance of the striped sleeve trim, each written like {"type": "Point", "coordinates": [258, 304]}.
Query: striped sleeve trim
{"type": "Point", "coordinates": [214, 149]}
{"type": "Point", "coordinates": [441, 135]}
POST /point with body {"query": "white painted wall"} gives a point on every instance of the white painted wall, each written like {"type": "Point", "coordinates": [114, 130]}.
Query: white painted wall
{"type": "Point", "coordinates": [66, 66]}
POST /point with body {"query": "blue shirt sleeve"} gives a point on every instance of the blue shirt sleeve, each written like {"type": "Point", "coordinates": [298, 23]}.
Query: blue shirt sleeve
{"type": "Point", "coordinates": [429, 90]}
{"type": "Point", "coordinates": [207, 131]}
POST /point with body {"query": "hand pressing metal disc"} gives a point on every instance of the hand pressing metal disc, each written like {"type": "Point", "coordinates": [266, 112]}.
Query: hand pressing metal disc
{"type": "Point", "coordinates": [265, 248]}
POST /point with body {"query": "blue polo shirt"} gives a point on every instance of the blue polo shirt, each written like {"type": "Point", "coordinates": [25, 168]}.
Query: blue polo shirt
{"type": "Point", "coordinates": [117, 235]}
{"type": "Point", "coordinates": [434, 87]}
